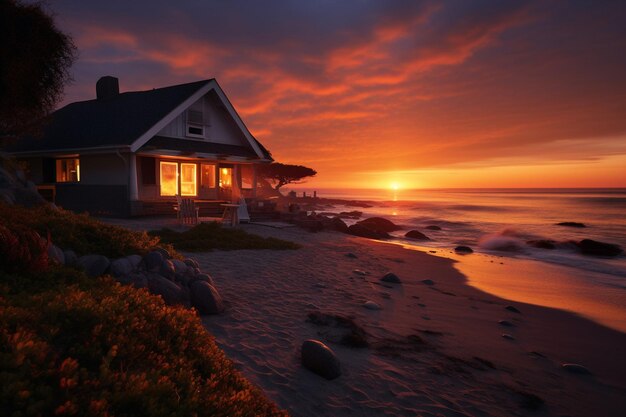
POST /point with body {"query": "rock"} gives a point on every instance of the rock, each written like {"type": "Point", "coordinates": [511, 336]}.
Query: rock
{"type": "Point", "coordinates": [339, 225]}
{"type": "Point", "coordinates": [134, 260]}
{"type": "Point", "coordinates": [379, 224]}
{"type": "Point", "coordinates": [463, 250]}
{"type": "Point", "coordinates": [391, 277]}
{"type": "Point", "coordinates": [433, 227]}
{"type": "Point", "coordinates": [571, 224]}
{"type": "Point", "coordinates": [593, 247]}
{"type": "Point", "coordinates": [513, 309]}
{"type": "Point", "coordinates": [542, 244]}
{"type": "Point", "coordinates": [56, 255]}
{"type": "Point", "coordinates": [153, 260]}
{"type": "Point", "coordinates": [171, 293]}
{"type": "Point", "coordinates": [136, 279]}
{"type": "Point", "coordinates": [507, 336]}
{"type": "Point", "coordinates": [93, 265]}
{"type": "Point", "coordinates": [575, 368]}
{"type": "Point", "coordinates": [191, 262]}
{"type": "Point", "coordinates": [179, 266]}
{"type": "Point", "coordinates": [121, 267]}
{"type": "Point", "coordinates": [359, 272]}
{"type": "Point", "coordinates": [319, 358]}
{"type": "Point", "coordinates": [164, 253]}
{"type": "Point", "coordinates": [417, 235]}
{"type": "Point", "coordinates": [371, 305]}
{"type": "Point", "coordinates": [506, 323]}
{"type": "Point", "coordinates": [428, 282]}
{"type": "Point", "coordinates": [70, 257]}
{"type": "Point", "coordinates": [351, 255]}
{"type": "Point", "coordinates": [203, 277]}
{"type": "Point", "coordinates": [167, 269]}
{"type": "Point", "coordinates": [363, 231]}
{"type": "Point", "coordinates": [354, 214]}
{"type": "Point", "coordinates": [205, 298]}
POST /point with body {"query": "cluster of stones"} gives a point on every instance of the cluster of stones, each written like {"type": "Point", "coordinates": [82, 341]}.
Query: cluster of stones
{"type": "Point", "coordinates": [177, 282]}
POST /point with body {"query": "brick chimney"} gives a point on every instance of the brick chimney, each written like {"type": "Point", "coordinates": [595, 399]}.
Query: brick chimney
{"type": "Point", "coordinates": [107, 87]}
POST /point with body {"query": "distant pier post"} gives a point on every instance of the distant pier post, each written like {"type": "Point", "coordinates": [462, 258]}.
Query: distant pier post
{"type": "Point", "coordinates": [314, 194]}
{"type": "Point", "coordinates": [303, 194]}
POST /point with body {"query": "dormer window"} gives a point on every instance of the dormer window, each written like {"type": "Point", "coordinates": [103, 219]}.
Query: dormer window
{"type": "Point", "coordinates": [195, 123]}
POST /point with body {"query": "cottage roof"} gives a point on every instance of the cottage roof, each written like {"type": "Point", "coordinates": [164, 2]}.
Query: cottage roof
{"type": "Point", "coordinates": [129, 119]}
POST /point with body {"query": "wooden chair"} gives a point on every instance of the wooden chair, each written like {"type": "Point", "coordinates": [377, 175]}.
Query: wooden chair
{"type": "Point", "coordinates": [188, 213]}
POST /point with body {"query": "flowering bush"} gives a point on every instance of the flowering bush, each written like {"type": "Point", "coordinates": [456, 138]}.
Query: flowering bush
{"type": "Point", "coordinates": [22, 249]}
{"type": "Point", "coordinates": [93, 347]}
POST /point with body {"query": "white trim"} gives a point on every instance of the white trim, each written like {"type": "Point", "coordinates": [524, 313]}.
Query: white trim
{"type": "Point", "coordinates": [210, 85]}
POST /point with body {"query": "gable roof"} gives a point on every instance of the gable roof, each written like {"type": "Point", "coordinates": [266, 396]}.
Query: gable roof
{"type": "Point", "coordinates": [128, 120]}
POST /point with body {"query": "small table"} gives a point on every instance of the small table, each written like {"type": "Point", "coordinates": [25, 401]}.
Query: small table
{"type": "Point", "coordinates": [230, 214]}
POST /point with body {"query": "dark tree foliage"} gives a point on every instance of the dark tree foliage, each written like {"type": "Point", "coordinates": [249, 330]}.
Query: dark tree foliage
{"type": "Point", "coordinates": [35, 58]}
{"type": "Point", "coordinates": [282, 174]}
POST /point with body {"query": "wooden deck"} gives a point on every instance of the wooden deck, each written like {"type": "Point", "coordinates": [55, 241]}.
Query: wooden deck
{"type": "Point", "coordinates": [208, 208]}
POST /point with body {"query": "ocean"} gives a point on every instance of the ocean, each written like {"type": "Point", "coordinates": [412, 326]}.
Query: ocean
{"type": "Point", "coordinates": [500, 222]}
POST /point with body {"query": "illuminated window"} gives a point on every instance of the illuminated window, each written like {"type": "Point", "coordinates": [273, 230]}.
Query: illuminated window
{"type": "Point", "coordinates": [208, 176]}
{"type": "Point", "coordinates": [68, 170]}
{"type": "Point", "coordinates": [226, 177]}
{"type": "Point", "coordinates": [169, 178]}
{"type": "Point", "coordinates": [188, 179]}
{"type": "Point", "coordinates": [247, 177]}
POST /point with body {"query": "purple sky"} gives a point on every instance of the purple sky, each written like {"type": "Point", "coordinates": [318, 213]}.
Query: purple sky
{"type": "Point", "coordinates": [458, 93]}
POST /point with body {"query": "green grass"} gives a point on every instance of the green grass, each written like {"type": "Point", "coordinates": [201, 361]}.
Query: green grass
{"type": "Point", "coordinates": [209, 236]}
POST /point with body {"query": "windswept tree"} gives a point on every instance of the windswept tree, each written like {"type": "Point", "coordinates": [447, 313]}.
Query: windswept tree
{"type": "Point", "coordinates": [282, 174]}
{"type": "Point", "coordinates": [35, 59]}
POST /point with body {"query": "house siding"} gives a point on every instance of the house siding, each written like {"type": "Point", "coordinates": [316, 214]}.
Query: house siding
{"type": "Point", "coordinates": [221, 127]}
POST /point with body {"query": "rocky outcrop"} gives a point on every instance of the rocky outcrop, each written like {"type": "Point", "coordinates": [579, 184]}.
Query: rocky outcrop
{"type": "Point", "coordinates": [571, 224]}
{"type": "Point", "coordinates": [379, 224]}
{"type": "Point", "coordinates": [205, 298]}
{"type": "Point", "coordinates": [363, 231]}
{"type": "Point", "coordinates": [463, 250]}
{"type": "Point", "coordinates": [416, 235]}
{"type": "Point", "coordinates": [595, 248]}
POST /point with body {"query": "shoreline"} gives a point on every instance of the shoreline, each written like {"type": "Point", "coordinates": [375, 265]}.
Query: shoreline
{"type": "Point", "coordinates": [270, 294]}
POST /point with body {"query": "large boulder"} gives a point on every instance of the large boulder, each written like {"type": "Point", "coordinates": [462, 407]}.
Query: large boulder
{"type": "Point", "coordinates": [121, 267]}
{"type": "Point", "coordinates": [171, 293]}
{"type": "Point", "coordinates": [205, 298]}
{"type": "Point", "coordinates": [164, 253]}
{"type": "Point", "coordinates": [319, 358]}
{"type": "Point", "coordinates": [363, 231]}
{"type": "Point", "coordinates": [134, 260]}
{"type": "Point", "coordinates": [380, 224]}
{"type": "Point", "coordinates": [136, 279]}
{"type": "Point", "coordinates": [416, 235]}
{"type": "Point", "coordinates": [339, 225]}
{"type": "Point", "coordinates": [153, 260]}
{"type": "Point", "coordinates": [542, 244]}
{"type": "Point", "coordinates": [593, 247]}
{"type": "Point", "coordinates": [167, 269]}
{"type": "Point", "coordinates": [93, 265]}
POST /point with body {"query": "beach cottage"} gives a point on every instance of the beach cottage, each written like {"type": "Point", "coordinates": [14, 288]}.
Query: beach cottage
{"type": "Point", "coordinates": [132, 153]}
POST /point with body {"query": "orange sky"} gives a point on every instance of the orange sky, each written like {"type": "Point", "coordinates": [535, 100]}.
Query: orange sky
{"type": "Point", "coordinates": [370, 93]}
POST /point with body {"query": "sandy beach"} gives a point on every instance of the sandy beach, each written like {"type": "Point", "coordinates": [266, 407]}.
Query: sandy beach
{"type": "Point", "coordinates": [435, 348]}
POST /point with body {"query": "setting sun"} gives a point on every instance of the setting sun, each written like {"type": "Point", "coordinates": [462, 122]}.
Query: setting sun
{"type": "Point", "coordinates": [394, 186]}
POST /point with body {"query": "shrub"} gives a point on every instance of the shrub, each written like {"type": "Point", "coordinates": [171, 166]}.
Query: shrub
{"type": "Point", "coordinates": [78, 232]}
{"type": "Point", "coordinates": [22, 249]}
{"type": "Point", "coordinates": [92, 347]}
{"type": "Point", "coordinates": [209, 236]}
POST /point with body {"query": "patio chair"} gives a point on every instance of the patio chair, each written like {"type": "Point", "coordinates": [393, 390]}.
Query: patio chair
{"type": "Point", "coordinates": [188, 213]}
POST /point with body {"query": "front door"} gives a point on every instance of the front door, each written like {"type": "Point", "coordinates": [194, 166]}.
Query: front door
{"type": "Point", "coordinates": [226, 184]}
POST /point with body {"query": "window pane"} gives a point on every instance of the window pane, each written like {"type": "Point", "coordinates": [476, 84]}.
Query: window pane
{"type": "Point", "coordinates": [208, 175]}
{"type": "Point", "coordinates": [188, 179]}
{"type": "Point", "coordinates": [169, 178]}
{"type": "Point", "coordinates": [67, 170]}
{"type": "Point", "coordinates": [247, 176]}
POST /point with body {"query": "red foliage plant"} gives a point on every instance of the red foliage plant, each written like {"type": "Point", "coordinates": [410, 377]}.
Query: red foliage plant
{"type": "Point", "coordinates": [22, 249]}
